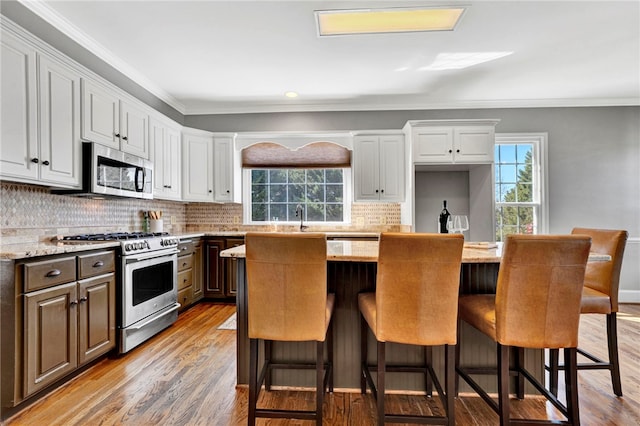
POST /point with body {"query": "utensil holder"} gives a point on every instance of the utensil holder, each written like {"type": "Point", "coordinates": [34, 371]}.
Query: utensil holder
{"type": "Point", "coordinates": [156, 225]}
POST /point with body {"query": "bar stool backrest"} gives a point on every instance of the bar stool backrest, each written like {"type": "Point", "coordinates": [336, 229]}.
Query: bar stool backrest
{"type": "Point", "coordinates": [605, 276]}
{"type": "Point", "coordinates": [287, 286]}
{"type": "Point", "coordinates": [417, 286]}
{"type": "Point", "coordinates": [539, 290]}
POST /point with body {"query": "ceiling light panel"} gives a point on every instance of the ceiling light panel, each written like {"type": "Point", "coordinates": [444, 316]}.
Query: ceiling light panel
{"type": "Point", "coordinates": [367, 21]}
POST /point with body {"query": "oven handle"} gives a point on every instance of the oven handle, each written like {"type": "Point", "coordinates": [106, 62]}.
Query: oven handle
{"type": "Point", "coordinates": [131, 258]}
{"type": "Point", "coordinates": [173, 307]}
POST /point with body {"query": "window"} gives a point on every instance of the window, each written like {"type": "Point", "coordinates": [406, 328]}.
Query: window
{"type": "Point", "coordinates": [275, 194]}
{"type": "Point", "coordinates": [520, 184]}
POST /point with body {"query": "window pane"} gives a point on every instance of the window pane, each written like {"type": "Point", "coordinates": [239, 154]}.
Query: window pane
{"type": "Point", "coordinates": [259, 212]}
{"type": "Point", "coordinates": [525, 193]}
{"type": "Point", "coordinates": [296, 176]}
{"type": "Point", "coordinates": [334, 193]}
{"type": "Point", "coordinates": [508, 173]}
{"type": "Point", "coordinates": [258, 176]}
{"type": "Point", "coordinates": [315, 193]}
{"type": "Point", "coordinates": [507, 192]}
{"type": "Point", "coordinates": [315, 212]}
{"type": "Point", "coordinates": [524, 173]}
{"type": "Point", "coordinates": [334, 212]}
{"type": "Point", "coordinates": [291, 211]}
{"type": "Point", "coordinates": [525, 153]}
{"type": "Point", "coordinates": [278, 211]}
{"type": "Point", "coordinates": [277, 193]}
{"type": "Point", "coordinates": [315, 176]}
{"type": "Point", "coordinates": [259, 193]}
{"type": "Point", "coordinates": [334, 176]}
{"type": "Point", "coordinates": [277, 176]}
{"type": "Point", "coordinates": [507, 154]}
{"type": "Point", "coordinates": [296, 193]}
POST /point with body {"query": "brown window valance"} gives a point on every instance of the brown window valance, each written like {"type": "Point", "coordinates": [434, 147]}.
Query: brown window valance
{"type": "Point", "coordinates": [314, 155]}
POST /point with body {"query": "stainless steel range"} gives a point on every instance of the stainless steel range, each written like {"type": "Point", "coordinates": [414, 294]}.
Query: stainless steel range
{"type": "Point", "coordinates": [147, 290]}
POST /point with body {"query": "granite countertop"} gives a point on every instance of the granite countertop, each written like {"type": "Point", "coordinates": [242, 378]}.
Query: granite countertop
{"type": "Point", "coordinates": [367, 251]}
{"type": "Point", "coordinates": [35, 249]}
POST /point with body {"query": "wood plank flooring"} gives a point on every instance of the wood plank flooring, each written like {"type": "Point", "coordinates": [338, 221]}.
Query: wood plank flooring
{"type": "Point", "coordinates": [186, 376]}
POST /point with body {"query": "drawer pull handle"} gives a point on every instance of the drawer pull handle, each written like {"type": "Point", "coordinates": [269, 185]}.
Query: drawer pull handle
{"type": "Point", "coordinates": [53, 273]}
{"type": "Point", "coordinates": [73, 302]}
{"type": "Point", "coordinates": [184, 280]}
{"type": "Point", "coordinates": [184, 264]}
{"type": "Point", "coordinates": [98, 264]}
{"type": "Point", "coordinates": [83, 299]}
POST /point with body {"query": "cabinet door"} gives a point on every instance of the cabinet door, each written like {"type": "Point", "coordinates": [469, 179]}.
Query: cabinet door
{"type": "Point", "coordinates": [96, 317]}
{"type": "Point", "coordinates": [157, 155]}
{"type": "Point", "coordinates": [134, 130]}
{"type": "Point", "coordinates": [172, 163]}
{"type": "Point", "coordinates": [392, 168]}
{"type": "Point", "coordinates": [197, 167]}
{"type": "Point", "coordinates": [51, 335]}
{"type": "Point", "coordinates": [100, 115]}
{"type": "Point", "coordinates": [474, 144]}
{"type": "Point", "coordinates": [231, 268]}
{"type": "Point", "coordinates": [214, 275]}
{"type": "Point", "coordinates": [433, 145]}
{"type": "Point", "coordinates": [198, 272]}
{"type": "Point", "coordinates": [18, 109]}
{"type": "Point", "coordinates": [366, 168]}
{"type": "Point", "coordinates": [59, 105]}
{"type": "Point", "coordinates": [223, 169]}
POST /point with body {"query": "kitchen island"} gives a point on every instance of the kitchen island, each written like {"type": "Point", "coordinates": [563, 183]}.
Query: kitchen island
{"type": "Point", "coordinates": [351, 270]}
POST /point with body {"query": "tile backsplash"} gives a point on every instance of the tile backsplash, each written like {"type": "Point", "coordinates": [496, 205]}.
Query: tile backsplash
{"type": "Point", "coordinates": [30, 213]}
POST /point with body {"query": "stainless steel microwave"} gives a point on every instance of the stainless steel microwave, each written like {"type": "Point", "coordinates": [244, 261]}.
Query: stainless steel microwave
{"type": "Point", "coordinates": [108, 172]}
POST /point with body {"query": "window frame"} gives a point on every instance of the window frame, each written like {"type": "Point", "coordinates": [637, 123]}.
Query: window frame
{"type": "Point", "coordinates": [539, 176]}
{"type": "Point", "coordinates": [346, 194]}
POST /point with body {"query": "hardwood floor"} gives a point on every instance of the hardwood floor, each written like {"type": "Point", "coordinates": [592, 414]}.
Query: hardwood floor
{"type": "Point", "coordinates": [186, 376]}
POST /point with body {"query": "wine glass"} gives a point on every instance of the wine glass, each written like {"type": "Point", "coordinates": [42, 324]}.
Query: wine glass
{"type": "Point", "coordinates": [457, 224]}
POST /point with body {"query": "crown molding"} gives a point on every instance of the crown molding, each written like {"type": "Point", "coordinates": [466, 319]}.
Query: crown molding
{"type": "Point", "coordinates": [63, 25]}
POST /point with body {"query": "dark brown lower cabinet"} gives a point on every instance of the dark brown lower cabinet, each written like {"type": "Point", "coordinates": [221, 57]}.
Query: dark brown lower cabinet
{"type": "Point", "coordinates": [220, 273]}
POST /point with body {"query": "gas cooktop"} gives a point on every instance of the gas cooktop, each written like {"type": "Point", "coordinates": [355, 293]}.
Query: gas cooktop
{"type": "Point", "coordinates": [130, 242]}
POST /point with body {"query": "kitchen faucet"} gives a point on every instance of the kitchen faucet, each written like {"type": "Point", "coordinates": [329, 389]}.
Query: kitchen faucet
{"type": "Point", "coordinates": [299, 213]}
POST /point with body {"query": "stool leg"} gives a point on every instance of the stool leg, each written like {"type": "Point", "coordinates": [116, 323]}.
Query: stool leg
{"type": "Point", "coordinates": [330, 354]}
{"type": "Point", "coordinates": [319, 381]}
{"type": "Point", "coordinates": [253, 380]}
{"type": "Point", "coordinates": [428, 359]}
{"type": "Point", "coordinates": [519, 367]}
{"type": "Point", "coordinates": [554, 355]}
{"type": "Point", "coordinates": [457, 379]}
{"type": "Point", "coordinates": [381, 371]}
{"type": "Point", "coordinates": [503, 384]}
{"type": "Point", "coordinates": [449, 382]}
{"type": "Point", "coordinates": [571, 384]}
{"type": "Point", "coordinates": [268, 346]}
{"type": "Point", "coordinates": [363, 354]}
{"type": "Point", "coordinates": [612, 341]}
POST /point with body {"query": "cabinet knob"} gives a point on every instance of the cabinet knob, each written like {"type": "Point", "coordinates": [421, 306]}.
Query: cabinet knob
{"type": "Point", "coordinates": [228, 191]}
{"type": "Point", "coordinates": [210, 191]}
{"type": "Point", "coordinates": [45, 162]}
{"type": "Point", "coordinates": [450, 151]}
{"type": "Point", "coordinates": [83, 299]}
{"type": "Point", "coordinates": [457, 150]}
{"type": "Point", "coordinates": [117, 135]}
{"type": "Point", "coordinates": [73, 302]}
{"type": "Point", "coordinates": [382, 190]}
{"type": "Point", "coordinates": [35, 160]}
{"type": "Point", "coordinates": [124, 138]}
{"type": "Point", "coordinates": [377, 191]}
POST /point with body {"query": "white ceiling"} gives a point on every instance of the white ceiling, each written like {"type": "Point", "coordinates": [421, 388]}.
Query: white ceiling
{"type": "Point", "coordinates": [242, 56]}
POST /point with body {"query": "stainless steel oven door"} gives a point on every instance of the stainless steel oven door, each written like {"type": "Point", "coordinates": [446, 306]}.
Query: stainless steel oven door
{"type": "Point", "coordinates": [149, 284]}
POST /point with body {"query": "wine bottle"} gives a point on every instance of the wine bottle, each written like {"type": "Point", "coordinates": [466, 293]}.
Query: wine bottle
{"type": "Point", "coordinates": [444, 218]}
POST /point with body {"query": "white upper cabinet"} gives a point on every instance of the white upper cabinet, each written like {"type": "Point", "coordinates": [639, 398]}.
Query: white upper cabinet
{"type": "Point", "coordinates": [197, 166]}
{"type": "Point", "coordinates": [59, 106]}
{"type": "Point", "coordinates": [112, 121]}
{"type": "Point", "coordinates": [40, 139]}
{"type": "Point", "coordinates": [453, 141]}
{"type": "Point", "coordinates": [223, 169]}
{"type": "Point", "coordinates": [379, 167]}
{"type": "Point", "coordinates": [18, 108]}
{"type": "Point", "coordinates": [166, 155]}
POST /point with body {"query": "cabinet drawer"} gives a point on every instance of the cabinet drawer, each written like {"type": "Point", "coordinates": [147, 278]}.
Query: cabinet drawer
{"type": "Point", "coordinates": [93, 264]}
{"type": "Point", "coordinates": [47, 273]}
{"type": "Point", "coordinates": [185, 262]}
{"type": "Point", "coordinates": [184, 279]}
{"type": "Point", "coordinates": [184, 297]}
{"type": "Point", "coordinates": [185, 247]}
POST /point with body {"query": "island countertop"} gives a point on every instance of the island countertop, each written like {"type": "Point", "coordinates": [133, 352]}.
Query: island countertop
{"type": "Point", "coordinates": [367, 251]}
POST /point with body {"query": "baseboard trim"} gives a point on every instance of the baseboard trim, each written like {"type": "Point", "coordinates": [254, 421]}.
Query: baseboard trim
{"type": "Point", "coordinates": [629, 296]}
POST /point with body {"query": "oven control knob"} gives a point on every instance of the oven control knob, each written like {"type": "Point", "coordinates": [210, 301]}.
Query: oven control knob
{"type": "Point", "coordinates": [140, 246]}
{"type": "Point", "coordinates": [127, 247]}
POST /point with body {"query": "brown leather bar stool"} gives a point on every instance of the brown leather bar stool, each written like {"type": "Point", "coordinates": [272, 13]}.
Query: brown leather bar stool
{"type": "Point", "coordinates": [288, 301]}
{"type": "Point", "coordinates": [536, 305]}
{"type": "Point", "coordinates": [599, 296]}
{"type": "Point", "coordinates": [415, 303]}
